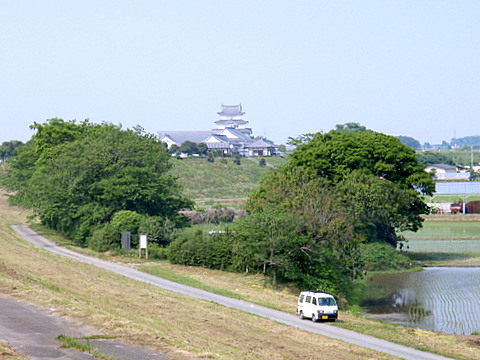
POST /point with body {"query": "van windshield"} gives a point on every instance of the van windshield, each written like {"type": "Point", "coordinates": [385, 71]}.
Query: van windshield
{"type": "Point", "coordinates": [326, 301]}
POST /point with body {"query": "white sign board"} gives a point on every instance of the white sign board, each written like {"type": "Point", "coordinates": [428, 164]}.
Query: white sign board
{"type": "Point", "coordinates": [143, 241]}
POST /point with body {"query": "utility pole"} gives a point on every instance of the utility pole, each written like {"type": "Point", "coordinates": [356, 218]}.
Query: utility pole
{"type": "Point", "coordinates": [471, 157]}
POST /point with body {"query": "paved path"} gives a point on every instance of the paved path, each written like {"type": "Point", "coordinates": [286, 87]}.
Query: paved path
{"type": "Point", "coordinates": [285, 318]}
{"type": "Point", "coordinates": [32, 332]}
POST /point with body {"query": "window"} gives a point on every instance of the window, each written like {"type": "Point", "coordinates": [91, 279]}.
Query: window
{"type": "Point", "coordinates": [308, 299]}
{"type": "Point", "coordinates": [301, 298]}
{"type": "Point", "coordinates": [326, 302]}
{"type": "Point", "coordinates": [314, 301]}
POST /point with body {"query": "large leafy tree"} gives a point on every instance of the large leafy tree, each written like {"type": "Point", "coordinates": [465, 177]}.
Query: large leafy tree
{"type": "Point", "coordinates": [316, 247]}
{"type": "Point", "coordinates": [268, 239]}
{"type": "Point", "coordinates": [377, 177]}
{"type": "Point", "coordinates": [77, 176]}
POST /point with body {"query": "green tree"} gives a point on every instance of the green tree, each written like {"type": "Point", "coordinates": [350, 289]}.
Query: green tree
{"type": "Point", "coordinates": [434, 157]}
{"type": "Point", "coordinates": [77, 176]}
{"type": "Point", "coordinates": [269, 237]}
{"type": "Point", "coordinates": [189, 147]}
{"type": "Point", "coordinates": [350, 127]}
{"type": "Point", "coordinates": [336, 155]}
{"type": "Point", "coordinates": [409, 141]}
{"type": "Point", "coordinates": [174, 150]}
{"type": "Point", "coordinates": [9, 149]}
{"type": "Point", "coordinates": [323, 250]}
{"type": "Point", "coordinates": [202, 149]}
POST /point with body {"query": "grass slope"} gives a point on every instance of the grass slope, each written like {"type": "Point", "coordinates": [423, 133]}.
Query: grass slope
{"type": "Point", "coordinates": [204, 181]}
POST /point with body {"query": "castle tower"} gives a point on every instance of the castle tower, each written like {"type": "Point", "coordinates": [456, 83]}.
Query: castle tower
{"type": "Point", "coordinates": [231, 117]}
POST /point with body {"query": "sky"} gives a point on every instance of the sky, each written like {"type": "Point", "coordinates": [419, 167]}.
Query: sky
{"type": "Point", "coordinates": [408, 67]}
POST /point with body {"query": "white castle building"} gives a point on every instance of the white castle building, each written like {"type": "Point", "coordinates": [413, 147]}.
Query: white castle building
{"type": "Point", "coordinates": [231, 135]}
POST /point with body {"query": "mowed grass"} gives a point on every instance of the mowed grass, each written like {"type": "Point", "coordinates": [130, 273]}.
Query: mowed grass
{"type": "Point", "coordinates": [203, 180]}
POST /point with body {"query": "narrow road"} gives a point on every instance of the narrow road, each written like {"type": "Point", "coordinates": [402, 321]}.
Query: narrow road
{"type": "Point", "coordinates": [281, 317]}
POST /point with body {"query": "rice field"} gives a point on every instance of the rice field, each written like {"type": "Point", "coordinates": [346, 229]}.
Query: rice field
{"type": "Point", "coordinates": [439, 299]}
{"type": "Point", "coordinates": [445, 236]}
{"type": "Point", "coordinates": [443, 298]}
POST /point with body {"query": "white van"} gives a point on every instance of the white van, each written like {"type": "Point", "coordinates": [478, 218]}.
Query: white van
{"type": "Point", "coordinates": [317, 305]}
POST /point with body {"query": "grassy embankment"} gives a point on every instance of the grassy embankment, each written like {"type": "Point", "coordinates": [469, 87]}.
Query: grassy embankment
{"type": "Point", "coordinates": [179, 325]}
{"type": "Point", "coordinates": [207, 182]}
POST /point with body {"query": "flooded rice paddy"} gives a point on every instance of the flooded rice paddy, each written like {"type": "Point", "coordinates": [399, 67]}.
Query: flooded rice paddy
{"type": "Point", "coordinates": [438, 299]}
{"type": "Point", "coordinates": [443, 299]}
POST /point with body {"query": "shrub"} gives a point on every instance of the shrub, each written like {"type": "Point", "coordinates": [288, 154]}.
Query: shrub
{"type": "Point", "coordinates": [157, 252]}
{"type": "Point", "coordinates": [105, 238]}
{"type": "Point", "coordinates": [196, 248]}
{"type": "Point", "coordinates": [381, 257]}
{"type": "Point", "coordinates": [159, 230]}
{"type": "Point", "coordinates": [126, 220]}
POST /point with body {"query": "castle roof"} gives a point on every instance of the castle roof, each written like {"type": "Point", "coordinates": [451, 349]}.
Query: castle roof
{"type": "Point", "coordinates": [179, 137]}
{"type": "Point", "coordinates": [226, 122]}
{"type": "Point", "coordinates": [231, 110]}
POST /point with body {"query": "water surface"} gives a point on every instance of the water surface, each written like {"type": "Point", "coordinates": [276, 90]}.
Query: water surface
{"type": "Point", "coordinates": [438, 299]}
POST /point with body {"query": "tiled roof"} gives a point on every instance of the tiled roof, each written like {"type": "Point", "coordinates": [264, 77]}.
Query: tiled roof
{"type": "Point", "coordinates": [231, 122]}
{"type": "Point", "coordinates": [238, 133]}
{"type": "Point", "coordinates": [261, 143]}
{"type": "Point", "coordinates": [231, 110]}
{"type": "Point", "coordinates": [181, 136]}
{"type": "Point", "coordinates": [220, 138]}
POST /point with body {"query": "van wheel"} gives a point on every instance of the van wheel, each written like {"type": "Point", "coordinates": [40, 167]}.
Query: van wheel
{"type": "Point", "coordinates": [314, 318]}
{"type": "Point", "coordinates": [301, 315]}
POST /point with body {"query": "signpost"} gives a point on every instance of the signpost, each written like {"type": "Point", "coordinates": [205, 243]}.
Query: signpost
{"type": "Point", "coordinates": [126, 240]}
{"type": "Point", "coordinates": [143, 244]}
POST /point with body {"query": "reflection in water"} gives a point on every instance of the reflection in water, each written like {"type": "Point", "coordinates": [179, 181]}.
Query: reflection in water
{"type": "Point", "coordinates": [439, 299]}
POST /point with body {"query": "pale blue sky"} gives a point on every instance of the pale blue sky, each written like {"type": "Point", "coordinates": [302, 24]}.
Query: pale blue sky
{"type": "Point", "coordinates": [397, 67]}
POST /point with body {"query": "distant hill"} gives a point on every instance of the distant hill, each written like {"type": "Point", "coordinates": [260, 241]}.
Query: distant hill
{"type": "Point", "coordinates": [203, 180]}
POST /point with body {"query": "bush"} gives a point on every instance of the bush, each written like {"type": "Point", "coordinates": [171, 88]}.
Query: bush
{"type": "Point", "coordinates": [195, 248]}
{"type": "Point", "coordinates": [157, 252]}
{"type": "Point", "coordinates": [105, 238]}
{"type": "Point", "coordinates": [159, 230]}
{"type": "Point", "coordinates": [381, 257]}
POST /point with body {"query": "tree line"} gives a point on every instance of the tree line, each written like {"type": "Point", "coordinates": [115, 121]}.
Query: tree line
{"type": "Point", "coordinates": [313, 221]}
{"type": "Point", "coordinates": [87, 180]}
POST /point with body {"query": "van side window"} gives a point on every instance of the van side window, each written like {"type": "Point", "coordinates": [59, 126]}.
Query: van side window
{"type": "Point", "coordinates": [308, 299]}
{"type": "Point", "coordinates": [314, 301]}
{"type": "Point", "coordinates": [301, 298]}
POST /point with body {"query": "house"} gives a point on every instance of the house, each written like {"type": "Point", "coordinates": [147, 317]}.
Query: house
{"type": "Point", "coordinates": [448, 172]}
{"type": "Point", "coordinates": [231, 136]}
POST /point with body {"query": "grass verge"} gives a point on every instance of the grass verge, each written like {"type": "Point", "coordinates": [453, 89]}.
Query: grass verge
{"type": "Point", "coordinates": [82, 344]}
